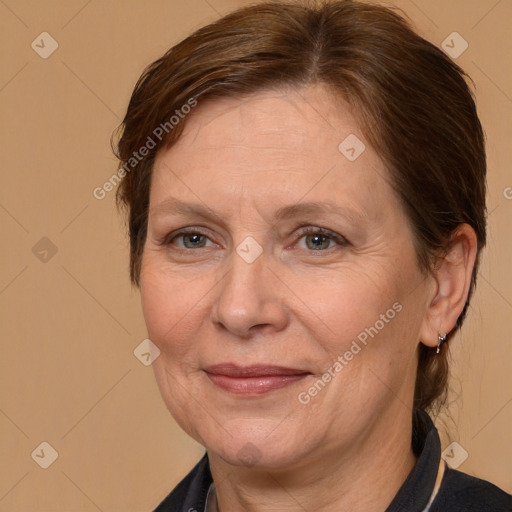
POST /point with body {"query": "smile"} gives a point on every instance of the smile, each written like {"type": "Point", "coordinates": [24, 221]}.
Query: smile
{"type": "Point", "coordinates": [253, 380]}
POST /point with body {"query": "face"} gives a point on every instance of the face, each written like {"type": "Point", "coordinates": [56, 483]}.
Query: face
{"type": "Point", "coordinates": [279, 281]}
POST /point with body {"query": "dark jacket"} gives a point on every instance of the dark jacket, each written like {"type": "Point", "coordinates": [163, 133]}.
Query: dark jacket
{"type": "Point", "coordinates": [458, 492]}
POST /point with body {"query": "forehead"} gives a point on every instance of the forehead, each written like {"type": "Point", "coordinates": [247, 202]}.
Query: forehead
{"type": "Point", "coordinates": [278, 144]}
{"type": "Point", "coordinates": [271, 118]}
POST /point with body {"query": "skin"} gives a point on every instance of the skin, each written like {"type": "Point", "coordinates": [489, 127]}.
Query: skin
{"type": "Point", "coordinates": [242, 160]}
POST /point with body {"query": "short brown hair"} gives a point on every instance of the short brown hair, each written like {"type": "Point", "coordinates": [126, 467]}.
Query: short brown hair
{"type": "Point", "coordinates": [413, 104]}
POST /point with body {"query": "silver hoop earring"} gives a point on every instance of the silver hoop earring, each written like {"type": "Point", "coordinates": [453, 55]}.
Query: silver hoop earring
{"type": "Point", "coordinates": [441, 339]}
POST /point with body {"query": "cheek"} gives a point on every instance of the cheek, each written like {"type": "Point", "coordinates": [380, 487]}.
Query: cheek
{"type": "Point", "coordinates": [174, 311]}
{"type": "Point", "coordinates": [346, 301]}
{"type": "Point", "coordinates": [172, 308]}
{"type": "Point", "coordinates": [365, 313]}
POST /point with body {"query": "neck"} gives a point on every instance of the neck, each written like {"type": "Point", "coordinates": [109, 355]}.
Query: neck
{"type": "Point", "coordinates": [366, 476]}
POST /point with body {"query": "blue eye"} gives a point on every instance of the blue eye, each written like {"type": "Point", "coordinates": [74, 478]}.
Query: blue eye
{"type": "Point", "coordinates": [317, 242]}
{"type": "Point", "coordinates": [194, 240]}
{"type": "Point", "coordinates": [310, 238]}
{"type": "Point", "coordinates": [190, 240]}
{"type": "Point", "coordinates": [320, 239]}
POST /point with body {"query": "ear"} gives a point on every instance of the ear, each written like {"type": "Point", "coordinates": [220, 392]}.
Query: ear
{"type": "Point", "coordinates": [452, 276]}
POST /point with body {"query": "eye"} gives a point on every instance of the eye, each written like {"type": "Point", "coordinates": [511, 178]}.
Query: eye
{"type": "Point", "coordinates": [320, 239]}
{"type": "Point", "coordinates": [190, 240]}
{"type": "Point", "coordinates": [317, 242]}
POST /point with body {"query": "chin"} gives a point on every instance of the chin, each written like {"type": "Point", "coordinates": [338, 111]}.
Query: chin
{"type": "Point", "coordinates": [256, 445]}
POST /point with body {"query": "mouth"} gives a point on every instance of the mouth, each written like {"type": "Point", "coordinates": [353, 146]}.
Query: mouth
{"type": "Point", "coordinates": [253, 380]}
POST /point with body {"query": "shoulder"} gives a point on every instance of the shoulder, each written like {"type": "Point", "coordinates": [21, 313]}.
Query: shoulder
{"type": "Point", "coordinates": [190, 493]}
{"type": "Point", "coordinates": [460, 492]}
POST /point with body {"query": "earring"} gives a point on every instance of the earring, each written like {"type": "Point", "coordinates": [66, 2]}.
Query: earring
{"type": "Point", "coordinates": [441, 339]}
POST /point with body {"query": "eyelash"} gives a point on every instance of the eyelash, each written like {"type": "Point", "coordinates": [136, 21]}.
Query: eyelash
{"type": "Point", "coordinates": [303, 231]}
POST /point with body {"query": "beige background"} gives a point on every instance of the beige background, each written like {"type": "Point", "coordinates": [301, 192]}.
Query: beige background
{"type": "Point", "coordinates": [69, 325]}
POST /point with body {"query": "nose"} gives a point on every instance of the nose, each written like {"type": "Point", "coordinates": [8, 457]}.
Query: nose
{"type": "Point", "coordinates": [250, 300]}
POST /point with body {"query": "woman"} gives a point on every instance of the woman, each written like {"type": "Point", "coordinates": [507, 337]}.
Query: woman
{"type": "Point", "coordinates": [306, 199]}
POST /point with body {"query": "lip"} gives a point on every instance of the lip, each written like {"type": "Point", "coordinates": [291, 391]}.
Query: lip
{"type": "Point", "coordinates": [253, 380]}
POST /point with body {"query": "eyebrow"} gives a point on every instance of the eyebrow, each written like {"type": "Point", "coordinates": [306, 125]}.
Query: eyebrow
{"type": "Point", "coordinates": [316, 208]}
{"type": "Point", "coordinates": [177, 207]}
{"type": "Point", "coordinates": [174, 206]}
